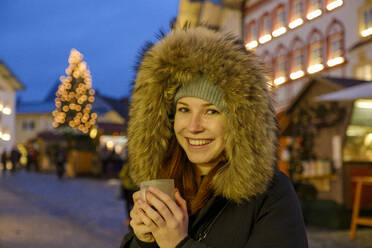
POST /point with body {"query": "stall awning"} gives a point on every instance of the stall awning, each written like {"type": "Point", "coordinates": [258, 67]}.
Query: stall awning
{"type": "Point", "coordinates": [349, 94]}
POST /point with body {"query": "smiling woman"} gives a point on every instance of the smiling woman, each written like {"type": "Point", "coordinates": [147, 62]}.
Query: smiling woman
{"type": "Point", "coordinates": [201, 114]}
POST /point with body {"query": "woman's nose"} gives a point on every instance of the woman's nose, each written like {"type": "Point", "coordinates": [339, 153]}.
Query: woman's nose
{"type": "Point", "coordinates": [195, 124]}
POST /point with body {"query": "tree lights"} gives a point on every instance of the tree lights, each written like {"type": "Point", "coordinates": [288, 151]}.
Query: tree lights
{"type": "Point", "coordinates": [74, 97]}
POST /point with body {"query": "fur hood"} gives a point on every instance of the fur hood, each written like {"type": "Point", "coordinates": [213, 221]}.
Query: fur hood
{"type": "Point", "coordinates": [251, 136]}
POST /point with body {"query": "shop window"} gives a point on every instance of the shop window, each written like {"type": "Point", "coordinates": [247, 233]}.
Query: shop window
{"type": "Point", "coordinates": [251, 35]}
{"type": "Point", "coordinates": [333, 4]}
{"type": "Point", "coordinates": [364, 72]}
{"type": "Point", "coordinates": [315, 53]}
{"type": "Point", "coordinates": [314, 9]}
{"type": "Point", "coordinates": [281, 66]}
{"type": "Point", "coordinates": [265, 32]}
{"type": "Point", "coordinates": [280, 21]}
{"type": "Point", "coordinates": [358, 145]}
{"type": "Point", "coordinates": [28, 125]}
{"type": "Point", "coordinates": [296, 13]}
{"type": "Point", "coordinates": [366, 25]}
{"type": "Point", "coordinates": [297, 60]}
{"type": "Point", "coordinates": [335, 44]}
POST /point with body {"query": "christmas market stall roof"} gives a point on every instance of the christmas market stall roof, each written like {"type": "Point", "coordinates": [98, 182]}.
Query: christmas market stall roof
{"type": "Point", "coordinates": [349, 94]}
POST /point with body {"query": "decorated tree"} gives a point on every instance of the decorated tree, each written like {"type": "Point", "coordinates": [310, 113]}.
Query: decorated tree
{"type": "Point", "coordinates": [75, 97]}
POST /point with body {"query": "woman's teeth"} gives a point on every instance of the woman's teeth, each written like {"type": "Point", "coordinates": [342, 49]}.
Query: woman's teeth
{"type": "Point", "coordinates": [199, 142]}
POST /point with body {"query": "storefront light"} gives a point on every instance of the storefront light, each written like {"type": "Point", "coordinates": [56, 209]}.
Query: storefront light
{"type": "Point", "coordinates": [334, 4]}
{"type": "Point", "coordinates": [5, 136]}
{"type": "Point", "coordinates": [295, 23]}
{"type": "Point", "coordinates": [297, 74]}
{"type": "Point", "coordinates": [364, 104]}
{"type": "Point", "coordinates": [335, 61]}
{"type": "Point", "coordinates": [366, 32]}
{"type": "Point", "coordinates": [315, 68]}
{"type": "Point", "coordinates": [314, 14]}
{"type": "Point", "coordinates": [279, 80]}
{"type": "Point", "coordinates": [265, 38]}
{"type": "Point", "coordinates": [278, 32]}
{"type": "Point", "coordinates": [7, 110]}
{"type": "Point", "coordinates": [1, 106]}
{"type": "Point", "coordinates": [368, 139]}
{"type": "Point", "coordinates": [252, 44]}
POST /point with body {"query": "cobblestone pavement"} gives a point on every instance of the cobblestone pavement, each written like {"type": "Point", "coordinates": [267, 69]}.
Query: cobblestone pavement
{"type": "Point", "coordinates": [39, 211]}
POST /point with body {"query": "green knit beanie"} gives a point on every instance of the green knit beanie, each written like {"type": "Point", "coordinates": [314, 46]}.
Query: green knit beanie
{"type": "Point", "coordinates": [200, 87]}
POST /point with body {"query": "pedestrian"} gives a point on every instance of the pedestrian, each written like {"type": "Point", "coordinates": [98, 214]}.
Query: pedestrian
{"type": "Point", "coordinates": [60, 162]}
{"type": "Point", "coordinates": [201, 114]}
{"type": "Point", "coordinates": [4, 160]}
{"type": "Point", "coordinates": [15, 155]}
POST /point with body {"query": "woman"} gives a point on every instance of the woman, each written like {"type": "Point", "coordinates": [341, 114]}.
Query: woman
{"type": "Point", "coordinates": [201, 114]}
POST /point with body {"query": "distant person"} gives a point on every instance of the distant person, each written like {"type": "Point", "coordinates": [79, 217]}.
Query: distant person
{"type": "Point", "coordinates": [127, 188]}
{"type": "Point", "coordinates": [4, 160]}
{"type": "Point", "coordinates": [15, 155]}
{"type": "Point", "coordinates": [60, 162]}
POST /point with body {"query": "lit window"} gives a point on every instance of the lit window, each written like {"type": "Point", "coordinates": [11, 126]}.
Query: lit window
{"type": "Point", "coordinates": [335, 44]}
{"type": "Point", "coordinates": [367, 22]}
{"type": "Point", "coordinates": [279, 21]}
{"type": "Point", "coordinates": [315, 57]}
{"type": "Point", "coordinates": [333, 4]}
{"type": "Point", "coordinates": [268, 65]}
{"type": "Point", "coordinates": [364, 72]}
{"type": "Point", "coordinates": [251, 35]}
{"type": "Point", "coordinates": [265, 29]}
{"type": "Point", "coordinates": [280, 67]}
{"type": "Point", "coordinates": [297, 64]}
{"type": "Point", "coordinates": [296, 14]}
{"type": "Point", "coordinates": [314, 9]}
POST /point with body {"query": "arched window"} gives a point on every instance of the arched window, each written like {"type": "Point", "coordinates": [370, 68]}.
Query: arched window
{"type": "Point", "coordinates": [251, 35]}
{"type": "Point", "coordinates": [265, 28]}
{"type": "Point", "coordinates": [267, 61]}
{"type": "Point", "coordinates": [296, 13]}
{"type": "Point", "coordinates": [297, 59]}
{"type": "Point", "coordinates": [335, 44]}
{"type": "Point", "coordinates": [279, 20]}
{"type": "Point", "coordinates": [333, 4]}
{"type": "Point", "coordinates": [315, 52]}
{"type": "Point", "coordinates": [281, 66]}
{"type": "Point", "coordinates": [313, 9]}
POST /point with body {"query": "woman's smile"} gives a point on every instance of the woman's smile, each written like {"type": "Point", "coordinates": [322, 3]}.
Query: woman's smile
{"type": "Point", "coordinates": [198, 143]}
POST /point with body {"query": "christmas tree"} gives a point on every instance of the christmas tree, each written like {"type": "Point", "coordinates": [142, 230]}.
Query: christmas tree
{"type": "Point", "coordinates": [75, 96]}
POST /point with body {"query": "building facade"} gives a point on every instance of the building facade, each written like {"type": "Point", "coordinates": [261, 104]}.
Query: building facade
{"type": "Point", "coordinates": [9, 84]}
{"type": "Point", "coordinates": [296, 39]}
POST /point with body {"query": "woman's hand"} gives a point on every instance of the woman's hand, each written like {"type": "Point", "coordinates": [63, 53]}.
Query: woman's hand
{"type": "Point", "coordinates": [166, 219]}
{"type": "Point", "coordinates": [141, 231]}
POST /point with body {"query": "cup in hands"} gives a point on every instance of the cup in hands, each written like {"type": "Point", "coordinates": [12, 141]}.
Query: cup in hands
{"type": "Point", "coordinates": [165, 185]}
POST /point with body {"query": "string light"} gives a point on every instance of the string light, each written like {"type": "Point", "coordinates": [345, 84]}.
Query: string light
{"type": "Point", "coordinates": [74, 96]}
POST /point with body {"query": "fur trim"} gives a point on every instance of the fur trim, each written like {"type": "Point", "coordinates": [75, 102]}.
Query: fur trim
{"type": "Point", "coordinates": [251, 137]}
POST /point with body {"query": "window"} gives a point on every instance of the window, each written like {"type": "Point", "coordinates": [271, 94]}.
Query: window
{"type": "Point", "coordinates": [367, 22]}
{"type": "Point", "coordinates": [265, 34]}
{"type": "Point", "coordinates": [314, 9]}
{"type": "Point", "coordinates": [251, 35]}
{"type": "Point", "coordinates": [280, 21]}
{"type": "Point", "coordinates": [296, 13]}
{"type": "Point", "coordinates": [364, 72]}
{"type": "Point", "coordinates": [335, 44]}
{"type": "Point", "coordinates": [268, 65]}
{"type": "Point", "coordinates": [297, 59]}
{"type": "Point", "coordinates": [28, 125]}
{"type": "Point", "coordinates": [281, 66]}
{"type": "Point", "coordinates": [333, 4]}
{"type": "Point", "coordinates": [315, 52]}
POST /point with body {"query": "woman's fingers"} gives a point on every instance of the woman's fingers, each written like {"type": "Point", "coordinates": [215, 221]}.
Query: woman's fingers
{"type": "Point", "coordinates": [149, 215]}
{"type": "Point", "coordinates": [164, 204]}
{"type": "Point", "coordinates": [181, 202]}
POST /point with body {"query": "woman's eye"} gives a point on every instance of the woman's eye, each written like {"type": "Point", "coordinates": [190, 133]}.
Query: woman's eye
{"type": "Point", "coordinates": [182, 109]}
{"type": "Point", "coordinates": [212, 111]}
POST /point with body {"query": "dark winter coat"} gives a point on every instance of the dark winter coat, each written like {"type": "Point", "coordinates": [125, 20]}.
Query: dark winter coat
{"type": "Point", "coordinates": [258, 206]}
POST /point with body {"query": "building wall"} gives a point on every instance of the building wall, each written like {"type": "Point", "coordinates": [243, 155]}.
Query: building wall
{"type": "Point", "coordinates": [347, 18]}
{"type": "Point", "coordinates": [7, 120]}
{"type": "Point", "coordinates": [29, 125]}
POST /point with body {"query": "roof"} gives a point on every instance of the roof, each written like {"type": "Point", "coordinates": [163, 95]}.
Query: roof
{"type": "Point", "coordinates": [35, 107]}
{"type": "Point", "coordinates": [361, 43]}
{"type": "Point", "coordinates": [10, 77]}
{"type": "Point", "coordinates": [352, 93]}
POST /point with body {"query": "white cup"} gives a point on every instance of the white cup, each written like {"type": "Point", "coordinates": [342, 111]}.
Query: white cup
{"type": "Point", "coordinates": [165, 185]}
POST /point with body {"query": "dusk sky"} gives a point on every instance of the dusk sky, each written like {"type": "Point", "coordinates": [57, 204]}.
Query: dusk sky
{"type": "Point", "coordinates": [36, 37]}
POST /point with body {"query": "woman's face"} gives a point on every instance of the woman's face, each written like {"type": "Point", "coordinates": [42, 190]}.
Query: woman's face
{"type": "Point", "coordinates": [200, 127]}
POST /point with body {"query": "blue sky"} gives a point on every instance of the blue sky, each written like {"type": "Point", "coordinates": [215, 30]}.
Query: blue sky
{"type": "Point", "coordinates": [36, 37]}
